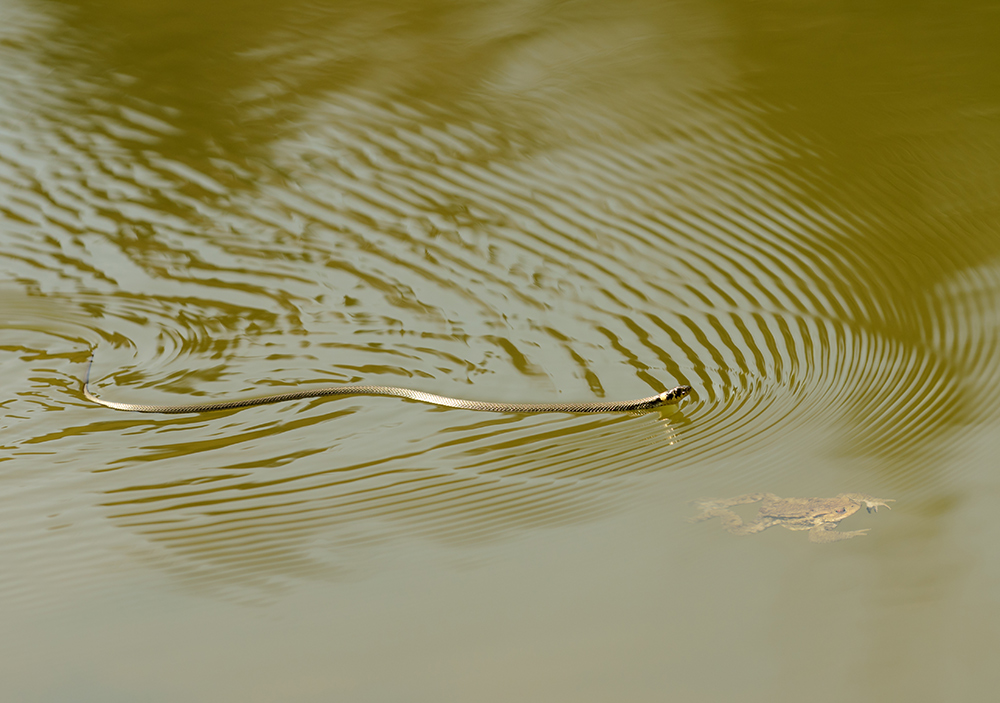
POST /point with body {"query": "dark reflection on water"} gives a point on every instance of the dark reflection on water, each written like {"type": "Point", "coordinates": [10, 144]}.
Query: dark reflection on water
{"type": "Point", "coordinates": [500, 201]}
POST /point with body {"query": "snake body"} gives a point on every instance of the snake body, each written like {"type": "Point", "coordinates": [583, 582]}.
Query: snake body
{"type": "Point", "coordinates": [614, 406]}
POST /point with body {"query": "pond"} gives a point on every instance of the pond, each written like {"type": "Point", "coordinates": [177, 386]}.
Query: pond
{"type": "Point", "coordinates": [792, 208]}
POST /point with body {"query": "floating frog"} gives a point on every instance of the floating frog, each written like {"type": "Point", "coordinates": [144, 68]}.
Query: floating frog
{"type": "Point", "coordinates": [818, 515]}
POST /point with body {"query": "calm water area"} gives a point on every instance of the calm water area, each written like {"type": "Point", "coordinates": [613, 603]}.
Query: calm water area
{"type": "Point", "coordinates": [792, 207]}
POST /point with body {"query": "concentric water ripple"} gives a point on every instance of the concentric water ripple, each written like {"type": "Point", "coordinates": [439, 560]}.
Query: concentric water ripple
{"type": "Point", "coordinates": [384, 237]}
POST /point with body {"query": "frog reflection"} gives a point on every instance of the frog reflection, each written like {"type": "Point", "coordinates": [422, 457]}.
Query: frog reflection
{"type": "Point", "coordinates": [818, 515]}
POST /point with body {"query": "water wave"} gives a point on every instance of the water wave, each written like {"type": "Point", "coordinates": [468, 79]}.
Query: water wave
{"type": "Point", "coordinates": [442, 245]}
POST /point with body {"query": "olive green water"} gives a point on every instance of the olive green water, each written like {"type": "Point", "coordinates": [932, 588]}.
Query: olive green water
{"type": "Point", "coordinates": [792, 207]}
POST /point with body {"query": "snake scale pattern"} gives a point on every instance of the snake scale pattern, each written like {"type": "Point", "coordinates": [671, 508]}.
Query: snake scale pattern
{"type": "Point", "coordinates": [669, 397]}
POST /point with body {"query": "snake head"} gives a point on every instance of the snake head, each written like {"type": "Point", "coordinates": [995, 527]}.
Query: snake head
{"type": "Point", "coordinates": [674, 394]}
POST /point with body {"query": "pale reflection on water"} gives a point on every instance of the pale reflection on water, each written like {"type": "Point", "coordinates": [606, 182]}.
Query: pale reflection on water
{"type": "Point", "coordinates": [523, 202]}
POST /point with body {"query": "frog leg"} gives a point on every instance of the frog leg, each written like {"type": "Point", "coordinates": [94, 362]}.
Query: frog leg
{"type": "Point", "coordinates": [871, 504]}
{"type": "Point", "coordinates": [737, 526]}
{"type": "Point", "coordinates": [708, 506]}
{"type": "Point", "coordinates": [828, 533]}
{"type": "Point", "coordinates": [744, 499]}
{"type": "Point", "coordinates": [730, 520]}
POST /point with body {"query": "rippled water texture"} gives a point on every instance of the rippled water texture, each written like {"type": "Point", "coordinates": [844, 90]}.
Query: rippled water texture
{"type": "Point", "coordinates": [792, 208]}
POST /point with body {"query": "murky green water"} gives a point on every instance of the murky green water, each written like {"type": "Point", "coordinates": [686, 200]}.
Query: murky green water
{"type": "Point", "coordinates": [791, 207]}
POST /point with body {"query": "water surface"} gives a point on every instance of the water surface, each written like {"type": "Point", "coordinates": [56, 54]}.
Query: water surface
{"type": "Point", "coordinates": [792, 209]}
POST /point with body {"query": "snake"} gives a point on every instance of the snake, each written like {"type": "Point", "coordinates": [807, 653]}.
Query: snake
{"type": "Point", "coordinates": [670, 397]}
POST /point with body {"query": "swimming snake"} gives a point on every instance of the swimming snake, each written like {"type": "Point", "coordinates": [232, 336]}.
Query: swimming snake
{"type": "Point", "coordinates": [669, 397]}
